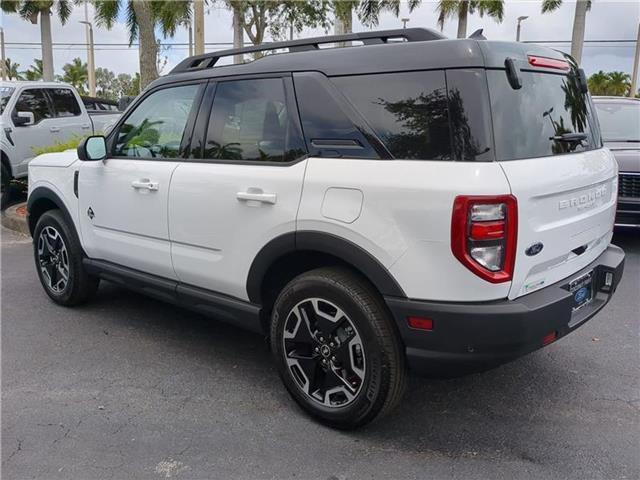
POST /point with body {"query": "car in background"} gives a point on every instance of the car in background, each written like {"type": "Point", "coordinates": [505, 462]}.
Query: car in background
{"type": "Point", "coordinates": [41, 114]}
{"type": "Point", "coordinates": [620, 124]}
{"type": "Point", "coordinates": [99, 105]}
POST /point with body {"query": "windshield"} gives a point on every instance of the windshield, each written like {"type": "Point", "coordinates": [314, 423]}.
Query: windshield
{"type": "Point", "coordinates": [619, 122]}
{"type": "Point", "coordinates": [5, 95]}
{"type": "Point", "coordinates": [548, 116]}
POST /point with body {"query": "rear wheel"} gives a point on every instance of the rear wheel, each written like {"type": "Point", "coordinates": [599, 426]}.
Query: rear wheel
{"type": "Point", "coordinates": [336, 348]}
{"type": "Point", "coordinates": [5, 187]}
{"type": "Point", "coordinates": [58, 258]}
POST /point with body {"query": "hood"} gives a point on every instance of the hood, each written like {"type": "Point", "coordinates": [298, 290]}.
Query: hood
{"type": "Point", "coordinates": [627, 155]}
{"type": "Point", "coordinates": [61, 159]}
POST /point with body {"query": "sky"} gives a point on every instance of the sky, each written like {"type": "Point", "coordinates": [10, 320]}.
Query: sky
{"type": "Point", "coordinates": [607, 20]}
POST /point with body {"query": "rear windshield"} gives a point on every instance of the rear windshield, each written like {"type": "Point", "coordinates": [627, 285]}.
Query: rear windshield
{"type": "Point", "coordinates": [531, 121]}
{"type": "Point", "coordinates": [619, 122]}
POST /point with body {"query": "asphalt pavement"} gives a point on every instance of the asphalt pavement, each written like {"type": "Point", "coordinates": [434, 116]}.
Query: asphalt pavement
{"type": "Point", "coordinates": [127, 387]}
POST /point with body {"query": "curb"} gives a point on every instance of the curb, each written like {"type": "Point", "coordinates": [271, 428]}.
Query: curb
{"type": "Point", "coordinates": [15, 218]}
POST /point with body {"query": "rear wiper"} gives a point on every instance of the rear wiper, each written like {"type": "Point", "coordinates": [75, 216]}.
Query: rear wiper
{"type": "Point", "coordinates": [569, 137]}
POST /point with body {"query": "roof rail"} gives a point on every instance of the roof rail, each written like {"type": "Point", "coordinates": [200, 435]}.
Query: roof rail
{"type": "Point", "coordinates": [208, 60]}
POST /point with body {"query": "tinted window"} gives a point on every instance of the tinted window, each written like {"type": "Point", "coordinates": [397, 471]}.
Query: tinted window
{"type": "Point", "coordinates": [156, 126]}
{"type": "Point", "coordinates": [619, 121]}
{"type": "Point", "coordinates": [64, 102]}
{"type": "Point", "coordinates": [528, 122]}
{"type": "Point", "coordinates": [250, 121]}
{"type": "Point", "coordinates": [408, 111]}
{"type": "Point", "coordinates": [33, 100]}
{"type": "Point", "coordinates": [5, 95]}
{"type": "Point", "coordinates": [327, 122]}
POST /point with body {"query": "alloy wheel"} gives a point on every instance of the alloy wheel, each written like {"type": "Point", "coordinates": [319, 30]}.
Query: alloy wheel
{"type": "Point", "coordinates": [324, 352]}
{"type": "Point", "coordinates": [53, 259]}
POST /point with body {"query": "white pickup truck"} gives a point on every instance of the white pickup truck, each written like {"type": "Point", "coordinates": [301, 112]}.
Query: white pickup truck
{"type": "Point", "coordinates": [40, 114]}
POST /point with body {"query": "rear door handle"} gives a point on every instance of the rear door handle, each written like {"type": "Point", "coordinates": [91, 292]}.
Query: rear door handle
{"type": "Point", "coordinates": [54, 129]}
{"type": "Point", "coordinates": [257, 195]}
{"type": "Point", "coordinates": [145, 184]}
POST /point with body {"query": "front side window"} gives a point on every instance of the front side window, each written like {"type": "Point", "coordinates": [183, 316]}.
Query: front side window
{"type": "Point", "coordinates": [35, 101]}
{"type": "Point", "coordinates": [407, 111]}
{"type": "Point", "coordinates": [250, 121]}
{"type": "Point", "coordinates": [156, 126]}
{"type": "Point", "coordinates": [64, 102]}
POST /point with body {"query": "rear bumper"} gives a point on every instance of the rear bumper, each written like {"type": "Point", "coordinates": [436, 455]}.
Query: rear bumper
{"type": "Point", "coordinates": [491, 333]}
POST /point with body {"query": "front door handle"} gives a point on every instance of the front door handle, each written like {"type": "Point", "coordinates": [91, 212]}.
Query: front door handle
{"type": "Point", "coordinates": [85, 126]}
{"type": "Point", "coordinates": [54, 129]}
{"type": "Point", "coordinates": [257, 195]}
{"type": "Point", "coordinates": [145, 184]}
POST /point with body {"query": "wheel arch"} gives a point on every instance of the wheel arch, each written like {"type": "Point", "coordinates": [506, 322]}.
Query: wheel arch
{"type": "Point", "coordinates": [291, 254]}
{"type": "Point", "coordinates": [41, 200]}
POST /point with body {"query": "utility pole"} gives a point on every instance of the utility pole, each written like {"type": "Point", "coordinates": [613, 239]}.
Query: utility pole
{"type": "Point", "coordinates": [91, 64]}
{"type": "Point", "coordinates": [520, 19]}
{"type": "Point", "coordinates": [190, 39]}
{"type": "Point", "coordinates": [3, 67]}
{"type": "Point", "coordinates": [198, 13]}
{"type": "Point", "coordinates": [636, 61]}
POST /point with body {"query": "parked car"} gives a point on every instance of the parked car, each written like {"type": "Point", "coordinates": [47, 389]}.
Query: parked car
{"type": "Point", "coordinates": [394, 204]}
{"type": "Point", "coordinates": [39, 114]}
{"type": "Point", "coordinates": [99, 105]}
{"type": "Point", "coordinates": [620, 124]}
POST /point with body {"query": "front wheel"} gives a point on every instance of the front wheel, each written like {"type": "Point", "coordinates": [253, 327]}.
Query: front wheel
{"type": "Point", "coordinates": [336, 348]}
{"type": "Point", "coordinates": [58, 258]}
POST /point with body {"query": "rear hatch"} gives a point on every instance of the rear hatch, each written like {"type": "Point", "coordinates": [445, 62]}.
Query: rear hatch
{"type": "Point", "coordinates": [547, 141]}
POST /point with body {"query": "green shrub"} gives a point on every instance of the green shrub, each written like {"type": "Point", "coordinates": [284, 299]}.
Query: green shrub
{"type": "Point", "coordinates": [59, 146]}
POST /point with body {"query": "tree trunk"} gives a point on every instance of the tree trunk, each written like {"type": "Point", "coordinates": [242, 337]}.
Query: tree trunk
{"type": "Point", "coordinates": [47, 49]}
{"type": "Point", "coordinates": [344, 23]}
{"type": "Point", "coordinates": [238, 32]}
{"type": "Point", "coordinates": [463, 13]}
{"type": "Point", "coordinates": [577, 39]}
{"type": "Point", "coordinates": [198, 14]}
{"type": "Point", "coordinates": [148, 45]}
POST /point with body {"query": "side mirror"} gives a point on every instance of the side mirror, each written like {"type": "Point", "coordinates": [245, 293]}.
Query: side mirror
{"type": "Point", "coordinates": [24, 119]}
{"type": "Point", "coordinates": [92, 149]}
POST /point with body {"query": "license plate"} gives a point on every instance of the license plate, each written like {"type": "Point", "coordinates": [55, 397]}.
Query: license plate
{"type": "Point", "coordinates": [581, 290]}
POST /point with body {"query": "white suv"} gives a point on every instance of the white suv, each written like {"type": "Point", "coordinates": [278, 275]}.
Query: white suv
{"type": "Point", "coordinates": [397, 204]}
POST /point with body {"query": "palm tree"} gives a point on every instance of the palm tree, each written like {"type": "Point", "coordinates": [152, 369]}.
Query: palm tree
{"type": "Point", "coordinates": [76, 74]}
{"type": "Point", "coordinates": [598, 83]}
{"type": "Point", "coordinates": [619, 83]}
{"type": "Point", "coordinates": [12, 70]}
{"type": "Point", "coordinates": [35, 70]}
{"type": "Point", "coordinates": [368, 12]}
{"type": "Point", "coordinates": [461, 9]}
{"type": "Point", "coordinates": [579, 22]}
{"type": "Point", "coordinates": [142, 18]}
{"type": "Point", "coordinates": [31, 10]}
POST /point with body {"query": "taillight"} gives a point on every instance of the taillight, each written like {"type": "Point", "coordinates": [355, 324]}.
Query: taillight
{"type": "Point", "coordinates": [548, 62]}
{"type": "Point", "coordinates": [484, 233]}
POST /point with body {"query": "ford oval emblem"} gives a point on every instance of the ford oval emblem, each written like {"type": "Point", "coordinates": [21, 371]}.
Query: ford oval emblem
{"type": "Point", "coordinates": [534, 249]}
{"type": "Point", "coordinates": [581, 294]}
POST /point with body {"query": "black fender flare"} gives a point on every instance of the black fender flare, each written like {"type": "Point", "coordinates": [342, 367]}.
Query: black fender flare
{"type": "Point", "coordinates": [327, 243]}
{"type": "Point", "coordinates": [46, 193]}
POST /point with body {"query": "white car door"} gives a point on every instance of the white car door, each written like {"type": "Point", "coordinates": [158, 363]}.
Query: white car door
{"type": "Point", "coordinates": [28, 138]}
{"type": "Point", "coordinates": [123, 199]}
{"type": "Point", "coordinates": [243, 186]}
{"type": "Point", "coordinates": [71, 119]}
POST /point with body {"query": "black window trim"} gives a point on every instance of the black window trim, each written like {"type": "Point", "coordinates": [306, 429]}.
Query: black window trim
{"type": "Point", "coordinates": [187, 136]}
{"type": "Point", "coordinates": [46, 98]}
{"type": "Point", "coordinates": [204, 115]}
{"type": "Point", "coordinates": [47, 92]}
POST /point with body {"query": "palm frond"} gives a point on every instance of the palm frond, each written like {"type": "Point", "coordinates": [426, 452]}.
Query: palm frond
{"type": "Point", "coordinates": [550, 5]}
{"type": "Point", "coordinates": [132, 22]}
{"type": "Point", "coordinates": [106, 12]}
{"type": "Point", "coordinates": [64, 8]}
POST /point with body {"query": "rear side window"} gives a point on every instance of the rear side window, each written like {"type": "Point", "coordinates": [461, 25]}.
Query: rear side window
{"type": "Point", "coordinates": [250, 121]}
{"type": "Point", "coordinates": [35, 101]}
{"type": "Point", "coordinates": [528, 122]}
{"type": "Point", "coordinates": [407, 111]}
{"type": "Point", "coordinates": [64, 102]}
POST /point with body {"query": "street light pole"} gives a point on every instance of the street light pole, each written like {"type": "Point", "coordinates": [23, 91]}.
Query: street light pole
{"type": "Point", "coordinates": [91, 64]}
{"type": "Point", "coordinates": [3, 67]}
{"type": "Point", "coordinates": [636, 61]}
{"type": "Point", "coordinates": [520, 19]}
{"type": "Point", "coordinates": [404, 22]}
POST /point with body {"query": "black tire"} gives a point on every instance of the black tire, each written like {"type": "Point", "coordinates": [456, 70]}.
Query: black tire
{"type": "Point", "coordinates": [80, 286]}
{"type": "Point", "coordinates": [382, 383]}
{"type": "Point", "coordinates": [6, 187]}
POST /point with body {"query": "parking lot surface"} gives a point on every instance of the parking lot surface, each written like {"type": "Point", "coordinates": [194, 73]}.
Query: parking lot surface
{"type": "Point", "coordinates": [127, 387]}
